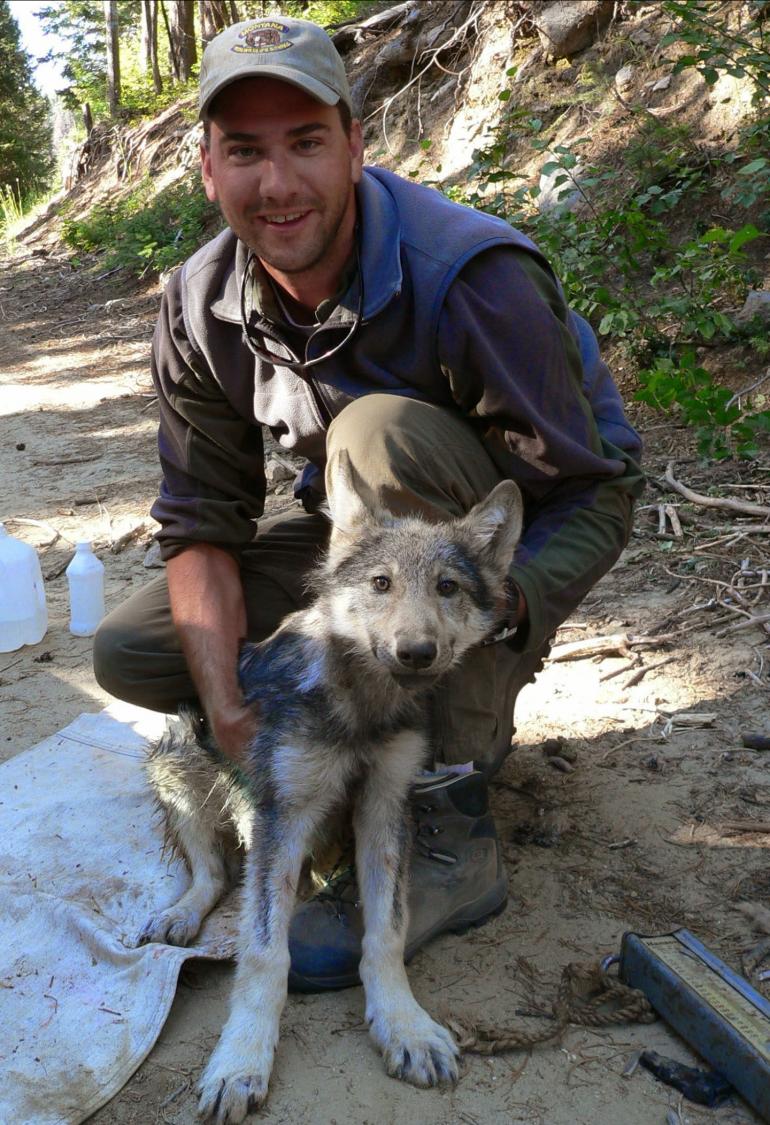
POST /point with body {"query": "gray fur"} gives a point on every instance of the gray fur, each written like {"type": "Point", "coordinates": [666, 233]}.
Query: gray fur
{"type": "Point", "coordinates": [341, 690]}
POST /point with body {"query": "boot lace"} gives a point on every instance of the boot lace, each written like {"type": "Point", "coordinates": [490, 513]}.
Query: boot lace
{"type": "Point", "coordinates": [426, 830]}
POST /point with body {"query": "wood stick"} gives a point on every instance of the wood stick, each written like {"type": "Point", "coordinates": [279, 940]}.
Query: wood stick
{"type": "Point", "coordinates": [613, 644]}
{"type": "Point", "coordinates": [755, 619]}
{"type": "Point", "coordinates": [127, 536]}
{"type": "Point", "coordinates": [629, 664]}
{"type": "Point", "coordinates": [637, 676]}
{"type": "Point", "coordinates": [712, 501]}
{"type": "Point", "coordinates": [674, 520]}
{"type": "Point", "coordinates": [745, 826]}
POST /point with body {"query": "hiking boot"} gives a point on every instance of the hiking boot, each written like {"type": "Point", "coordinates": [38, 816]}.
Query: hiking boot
{"type": "Point", "coordinates": [456, 881]}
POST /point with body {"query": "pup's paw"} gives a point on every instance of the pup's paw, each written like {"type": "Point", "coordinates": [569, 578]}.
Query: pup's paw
{"type": "Point", "coordinates": [171, 927]}
{"type": "Point", "coordinates": [415, 1048]}
{"type": "Point", "coordinates": [231, 1087]}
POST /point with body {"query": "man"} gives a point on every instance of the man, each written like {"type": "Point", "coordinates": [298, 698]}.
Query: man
{"type": "Point", "coordinates": [347, 309]}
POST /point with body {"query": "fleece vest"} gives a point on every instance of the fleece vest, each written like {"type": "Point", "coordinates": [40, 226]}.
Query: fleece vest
{"type": "Point", "coordinates": [413, 244]}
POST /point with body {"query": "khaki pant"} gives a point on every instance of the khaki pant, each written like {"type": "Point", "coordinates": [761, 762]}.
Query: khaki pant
{"type": "Point", "coordinates": [410, 457]}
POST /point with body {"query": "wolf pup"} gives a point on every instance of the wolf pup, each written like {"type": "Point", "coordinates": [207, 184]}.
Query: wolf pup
{"type": "Point", "coordinates": [341, 691]}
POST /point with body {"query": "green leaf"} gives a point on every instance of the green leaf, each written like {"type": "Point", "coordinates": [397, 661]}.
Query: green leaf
{"type": "Point", "coordinates": [716, 234]}
{"type": "Point", "coordinates": [744, 235]}
{"type": "Point", "coordinates": [755, 166]}
{"type": "Point", "coordinates": [504, 95]}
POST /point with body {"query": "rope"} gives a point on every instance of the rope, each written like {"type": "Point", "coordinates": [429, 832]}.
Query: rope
{"type": "Point", "coordinates": [582, 994]}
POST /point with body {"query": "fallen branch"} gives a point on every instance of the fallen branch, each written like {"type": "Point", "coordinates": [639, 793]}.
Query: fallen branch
{"type": "Point", "coordinates": [630, 663]}
{"type": "Point", "coordinates": [642, 672]}
{"type": "Point", "coordinates": [70, 460]}
{"type": "Point", "coordinates": [712, 501]}
{"type": "Point", "coordinates": [741, 826]}
{"type": "Point", "coordinates": [755, 619]}
{"type": "Point", "coordinates": [127, 537]}
{"type": "Point", "coordinates": [674, 520]}
{"type": "Point", "coordinates": [616, 644]}
{"type": "Point", "coordinates": [747, 390]}
{"type": "Point", "coordinates": [55, 535]}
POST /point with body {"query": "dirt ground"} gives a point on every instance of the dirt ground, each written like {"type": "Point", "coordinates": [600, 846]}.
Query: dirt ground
{"type": "Point", "coordinates": [656, 823]}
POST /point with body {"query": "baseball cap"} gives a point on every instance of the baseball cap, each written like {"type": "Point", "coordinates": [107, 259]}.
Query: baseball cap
{"type": "Point", "coordinates": [295, 51]}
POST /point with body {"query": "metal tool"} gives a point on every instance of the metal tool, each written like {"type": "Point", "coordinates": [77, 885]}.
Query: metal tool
{"type": "Point", "coordinates": [714, 1009]}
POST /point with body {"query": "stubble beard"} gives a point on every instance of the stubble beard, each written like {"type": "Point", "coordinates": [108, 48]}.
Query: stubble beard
{"type": "Point", "coordinates": [300, 259]}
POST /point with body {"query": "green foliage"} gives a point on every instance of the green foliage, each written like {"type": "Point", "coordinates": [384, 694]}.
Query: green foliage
{"type": "Point", "coordinates": [79, 25]}
{"type": "Point", "coordinates": [634, 256]}
{"type": "Point", "coordinates": [723, 428]}
{"type": "Point", "coordinates": [618, 258]}
{"type": "Point", "coordinates": [138, 97]}
{"type": "Point", "coordinates": [750, 186]}
{"type": "Point", "coordinates": [326, 12]}
{"type": "Point", "coordinates": [143, 231]}
{"type": "Point", "coordinates": [323, 12]}
{"type": "Point", "coordinates": [26, 157]}
{"type": "Point", "coordinates": [713, 46]}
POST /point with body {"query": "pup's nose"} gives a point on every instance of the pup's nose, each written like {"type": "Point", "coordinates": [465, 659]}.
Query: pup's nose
{"type": "Point", "coordinates": [416, 655]}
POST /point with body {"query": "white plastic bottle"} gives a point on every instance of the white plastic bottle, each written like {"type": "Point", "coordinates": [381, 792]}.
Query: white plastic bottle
{"type": "Point", "coordinates": [23, 613]}
{"type": "Point", "coordinates": [85, 576]}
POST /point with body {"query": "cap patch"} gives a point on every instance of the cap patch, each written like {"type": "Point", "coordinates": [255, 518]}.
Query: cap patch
{"type": "Point", "coordinates": [262, 37]}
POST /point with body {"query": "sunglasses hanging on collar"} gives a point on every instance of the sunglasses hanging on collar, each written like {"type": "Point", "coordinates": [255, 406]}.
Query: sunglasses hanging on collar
{"type": "Point", "coordinates": [255, 341]}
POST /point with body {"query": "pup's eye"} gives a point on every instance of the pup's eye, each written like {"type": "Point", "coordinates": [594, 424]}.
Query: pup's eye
{"type": "Point", "coordinates": [381, 583]}
{"type": "Point", "coordinates": [446, 587]}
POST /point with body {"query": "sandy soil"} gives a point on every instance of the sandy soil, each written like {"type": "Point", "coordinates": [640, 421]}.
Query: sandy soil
{"type": "Point", "coordinates": [636, 836]}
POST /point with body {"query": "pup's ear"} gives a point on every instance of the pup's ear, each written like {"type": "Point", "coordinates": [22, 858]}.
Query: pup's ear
{"type": "Point", "coordinates": [346, 494]}
{"type": "Point", "coordinates": [494, 524]}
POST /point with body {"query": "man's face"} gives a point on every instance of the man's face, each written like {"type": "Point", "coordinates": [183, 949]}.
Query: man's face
{"type": "Point", "coordinates": [283, 170]}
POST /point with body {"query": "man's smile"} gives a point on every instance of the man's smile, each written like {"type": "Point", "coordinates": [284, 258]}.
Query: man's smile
{"type": "Point", "coordinates": [289, 219]}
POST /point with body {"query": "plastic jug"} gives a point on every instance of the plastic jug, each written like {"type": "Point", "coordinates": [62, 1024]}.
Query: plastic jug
{"type": "Point", "coordinates": [23, 613]}
{"type": "Point", "coordinates": [85, 576]}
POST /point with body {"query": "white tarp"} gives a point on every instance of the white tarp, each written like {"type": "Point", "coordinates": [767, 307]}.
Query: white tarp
{"type": "Point", "coordinates": [81, 868]}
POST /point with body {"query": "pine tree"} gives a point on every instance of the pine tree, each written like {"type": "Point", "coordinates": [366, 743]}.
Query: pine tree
{"type": "Point", "coordinates": [26, 157]}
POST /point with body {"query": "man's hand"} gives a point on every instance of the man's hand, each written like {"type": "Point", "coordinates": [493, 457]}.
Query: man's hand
{"type": "Point", "coordinates": [234, 729]}
{"type": "Point", "coordinates": [209, 613]}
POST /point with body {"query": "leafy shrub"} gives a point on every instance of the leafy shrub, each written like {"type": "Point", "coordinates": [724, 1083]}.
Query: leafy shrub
{"type": "Point", "coordinates": [144, 231]}
{"type": "Point", "coordinates": [723, 428]}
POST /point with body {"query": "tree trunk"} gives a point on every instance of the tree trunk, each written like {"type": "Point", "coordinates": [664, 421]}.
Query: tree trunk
{"type": "Point", "coordinates": [216, 15]}
{"type": "Point", "coordinates": [181, 26]}
{"type": "Point", "coordinates": [113, 55]}
{"type": "Point", "coordinates": [150, 43]}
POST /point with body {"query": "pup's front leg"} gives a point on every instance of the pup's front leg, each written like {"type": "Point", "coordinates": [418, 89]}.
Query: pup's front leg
{"type": "Point", "coordinates": [236, 1078]}
{"type": "Point", "coordinates": [414, 1046]}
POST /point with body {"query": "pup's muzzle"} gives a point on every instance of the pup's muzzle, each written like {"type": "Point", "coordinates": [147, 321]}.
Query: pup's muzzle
{"type": "Point", "coordinates": [416, 656]}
